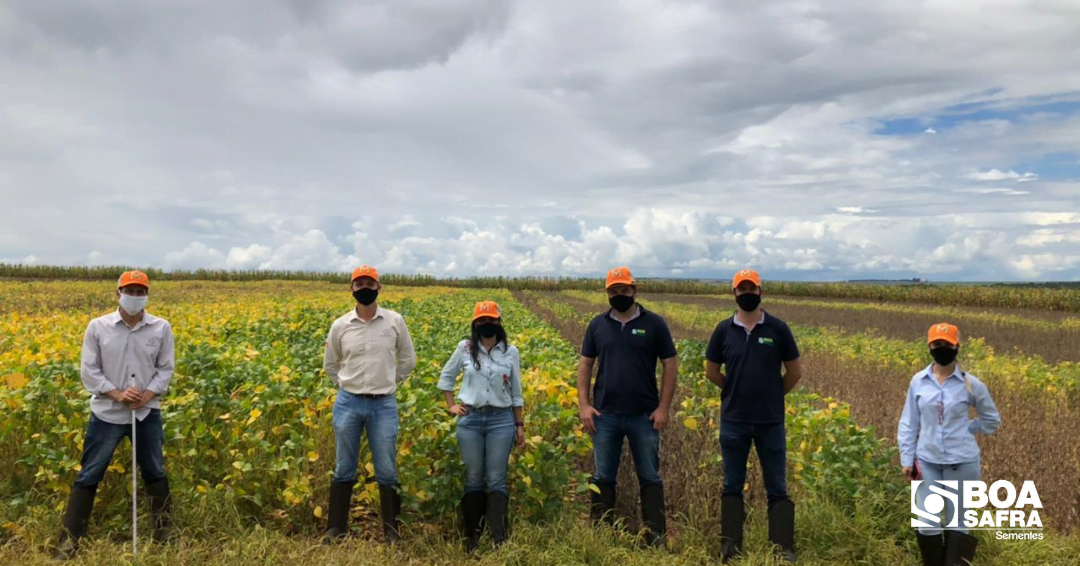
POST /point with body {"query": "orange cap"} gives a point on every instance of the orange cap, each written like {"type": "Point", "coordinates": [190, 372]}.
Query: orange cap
{"type": "Point", "coordinates": [365, 271]}
{"type": "Point", "coordinates": [133, 278]}
{"type": "Point", "coordinates": [486, 308]}
{"type": "Point", "coordinates": [746, 275]}
{"type": "Point", "coordinates": [944, 331]}
{"type": "Point", "coordinates": [619, 276]}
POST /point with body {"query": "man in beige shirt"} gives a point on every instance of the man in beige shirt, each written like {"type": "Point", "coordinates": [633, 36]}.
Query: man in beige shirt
{"type": "Point", "coordinates": [368, 353]}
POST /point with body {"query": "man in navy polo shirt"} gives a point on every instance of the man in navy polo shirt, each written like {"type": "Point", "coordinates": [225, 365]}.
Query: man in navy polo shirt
{"type": "Point", "coordinates": [628, 340]}
{"type": "Point", "coordinates": [753, 346]}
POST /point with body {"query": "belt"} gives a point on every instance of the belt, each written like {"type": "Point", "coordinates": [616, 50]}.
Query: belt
{"type": "Point", "coordinates": [486, 409]}
{"type": "Point", "coordinates": [371, 396]}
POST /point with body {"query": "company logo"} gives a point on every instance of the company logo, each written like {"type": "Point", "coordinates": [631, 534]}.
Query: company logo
{"type": "Point", "coordinates": [998, 508]}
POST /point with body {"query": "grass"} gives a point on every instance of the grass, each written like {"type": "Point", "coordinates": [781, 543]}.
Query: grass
{"type": "Point", "coordinates": [826, 534]}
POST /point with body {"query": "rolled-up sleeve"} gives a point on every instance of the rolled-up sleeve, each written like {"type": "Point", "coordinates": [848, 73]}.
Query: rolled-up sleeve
{"type": "Point", "coordinates": [332, 355]}
{"type": "Point", "coordinates": [90, 370]}
{"type": "Point", "coordinates": [450, 371]}
{"type": "Point", "coordinates": [165, 362]}
{"type": "Point", "coordinates": [987, 419]}
{"type": "Point", "coordinates": [516, 398]}
{"type": "Point", "coordinates": [907, 434]}
{"type": "Point", "coordinates": [406, 354]}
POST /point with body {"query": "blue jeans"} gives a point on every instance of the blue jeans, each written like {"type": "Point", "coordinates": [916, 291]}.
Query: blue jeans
{"type": "Point", "coordinates": [968, 471]}
{"type": "Point", "coordinates": [103, 437]}
{"type": "Point", "coordinates": [485, 437]}
{"type": "Point", "coordinates": [771, 443]}
{"type": "Point", "coordinates": [644, 446]}
{"type": "Point", "coordinates": [352, 414]}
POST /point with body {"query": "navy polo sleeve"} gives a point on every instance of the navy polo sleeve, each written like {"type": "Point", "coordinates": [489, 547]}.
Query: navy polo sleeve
{"type": "Point", "coordinates": [715, 350]}
{"type": "Point", "coordinates": [665, 345]}
{"type": "Point", "coordinates": [789, 350]}
{"type": "Point", "coordinates": [588, 345]}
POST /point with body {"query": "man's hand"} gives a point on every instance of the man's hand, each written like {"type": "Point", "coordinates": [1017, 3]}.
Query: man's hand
{"type": "Point", "coordinates": [586, 414]}
{"type": "Point", "coordinates": [659, 418]}
{"type": "Point", "coordinates": [458, 410]}
{"type": "Point", "coordinates": [519, 436]}
{"type": "Point", "coordinates": [144, 398]}
{"type": "Point", "coordinates": [130, 395]}
{"type": "Point", "coordinates": [909, 474]}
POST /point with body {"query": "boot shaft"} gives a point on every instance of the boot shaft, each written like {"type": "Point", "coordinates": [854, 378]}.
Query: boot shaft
{"type": "Point", "coordinates": [390, 508]}
{"type": "Point", "coordinates": [160, 500]}
{"type": "Point", "coordinates": [931, 549]}
{"type": "Point", "coordinates": [498, 521]}
{"type": "Point", "coordinates": [653, 513]}
{"type": "Point", "coordinates": [602, 506]}
{"type": "Point", "coordinates": [732, 515]}
{"type": "Point", "coordinates": [959, 548]}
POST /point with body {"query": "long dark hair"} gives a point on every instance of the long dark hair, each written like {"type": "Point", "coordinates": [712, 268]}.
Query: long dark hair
{"type": "Point", "coordinates": [474, 341]}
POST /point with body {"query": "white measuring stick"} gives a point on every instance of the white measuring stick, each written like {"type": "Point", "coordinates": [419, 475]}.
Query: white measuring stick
{"type": "Point", "coordinates": [134, 494]}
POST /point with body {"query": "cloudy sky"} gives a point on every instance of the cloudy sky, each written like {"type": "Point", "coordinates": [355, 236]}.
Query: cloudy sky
{"type": "Point", "coordinates": [810, 139]}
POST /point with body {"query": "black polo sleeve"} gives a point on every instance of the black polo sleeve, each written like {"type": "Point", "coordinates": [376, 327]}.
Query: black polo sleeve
{"type": "Point", "coordinates": [714, 352]}
{"type": "Point", "coordinates": [665, 345]}
{"type": "Point", "coordinates": [789, 350]}
{"type": "Point", "coordinates": [588, 345]}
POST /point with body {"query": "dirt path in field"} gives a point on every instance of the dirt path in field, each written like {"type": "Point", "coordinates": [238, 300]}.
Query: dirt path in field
{"type": "Point", "coordinates": [1054, 346]}
{"type": "Point", "coordinates": [1037, 440]}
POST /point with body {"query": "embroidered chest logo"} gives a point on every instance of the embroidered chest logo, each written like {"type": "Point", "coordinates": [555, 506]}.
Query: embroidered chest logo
{"type": "Point", "coordinates": [153, 342]}
{"type": "Point", "coordinates": [765, 341]}
{"type": "Point", "coordinates": [638, 332]}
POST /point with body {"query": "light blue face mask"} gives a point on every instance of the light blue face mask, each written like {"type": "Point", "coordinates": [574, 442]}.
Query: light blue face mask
{"type": "Point", "coordinates": [133, 305]}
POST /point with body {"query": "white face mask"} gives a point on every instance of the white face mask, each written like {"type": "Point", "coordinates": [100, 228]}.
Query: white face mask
{"type": "Point", "coordinates": [133, 305]}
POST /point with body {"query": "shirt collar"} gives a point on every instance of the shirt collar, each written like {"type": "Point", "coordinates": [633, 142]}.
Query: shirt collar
{"type": "Point", "coordinates": [115, 318]}
{"type": "Point", "coordinates": [957, 373]}
{"type": "Point", "coordinates": [640, 311]}
{"type": "Point", "coordinates": [737, 322]}
{"type": "Point", "coordinates": [378, 314]}
{"type": "Point", "coordinates": [498, 346]}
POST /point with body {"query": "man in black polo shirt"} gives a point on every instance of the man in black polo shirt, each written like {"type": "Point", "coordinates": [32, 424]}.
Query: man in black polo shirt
{"type": "Point", "coordinates": [753, 346]}
{"type": "Point", "coordinates": [628, 340]}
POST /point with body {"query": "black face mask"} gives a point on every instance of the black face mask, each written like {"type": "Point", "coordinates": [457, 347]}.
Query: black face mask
{"type": "Point", "coordinates": [365, 296]}
{"type": "Point", "coordinates": [487, 330]}
{"type": "Point", "coordinates": [621, 303]}
{"type": "Point", "coordinates": [748, 302]}
{"type": "Point", "coordinates": [944, 355]}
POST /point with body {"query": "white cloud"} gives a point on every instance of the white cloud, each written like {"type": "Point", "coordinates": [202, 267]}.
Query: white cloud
{"type": "Point", "coordinates": [997, 175]}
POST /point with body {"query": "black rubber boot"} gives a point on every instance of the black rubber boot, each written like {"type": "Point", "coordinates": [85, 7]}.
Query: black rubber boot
{"type": "Point", "coordinates": [160, 509]}
{"type": "Point", "coordinates": [932, 549]}
{"type": "Point", "coordinates": [337, 518]}
{"type": "Point", "coordinates": [782, 528]}
{"type": "Point", "coordinates": [603, 504]}
{"type": "Point", "coordinates": [653, 514]}
{"type": "Point", "coordinates": [959, 548]}
{"type": "Point", "coordinates": [390, 508]}
{"type": "Point", "coordinates": [731, 527]}
{"type": "Point", "coordinates": [498, 521]}
{"type": "Point", "coordinates": [76, 521]}
{"type": "Point", "coordinates": [473, 509]}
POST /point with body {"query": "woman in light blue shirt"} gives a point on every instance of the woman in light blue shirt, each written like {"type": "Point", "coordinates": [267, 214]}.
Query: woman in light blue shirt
{"type": "Point", "coordinates": [937, 442]}
{"type": "Point", "coordinates": [489, 419]}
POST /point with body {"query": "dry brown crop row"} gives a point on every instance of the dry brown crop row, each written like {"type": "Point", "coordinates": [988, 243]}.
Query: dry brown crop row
{"type": "Point", "coordinates": [1058, 345]}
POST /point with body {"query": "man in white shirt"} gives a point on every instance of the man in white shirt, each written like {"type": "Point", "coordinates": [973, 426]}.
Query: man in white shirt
{"type": "Point", "coordinates": [368, 353]}
{"type": "Point", "coordinates": [127, 363]}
